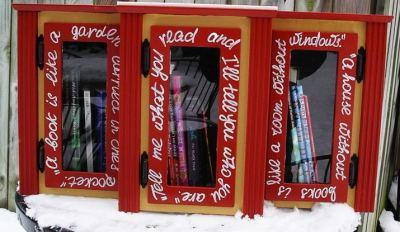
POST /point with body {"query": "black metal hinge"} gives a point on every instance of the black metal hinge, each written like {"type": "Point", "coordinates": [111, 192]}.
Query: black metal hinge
{"type": "Point", "coordinates": [145, 64]}
{"type": "Point", "coordinates": [40, 52]}
{"type": "Point", "coordinates": [144, 169]}
{"type": "Point", "coordinates": [353, 171]}
{"type": "Point", "coordinates": [360, 64]}
{"type": "Point", "coordinates": [40, 155]}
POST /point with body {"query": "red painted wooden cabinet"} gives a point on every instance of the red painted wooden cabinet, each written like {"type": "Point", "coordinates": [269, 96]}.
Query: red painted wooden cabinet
{"type": "Point", "coordinates": [200, 109]}
{"type": "Point", "coordinates": [81, 105]}
{"type": "Point", "coordinates": [312, 90]}
{"type": "Point", "coordinates": [194, 91]}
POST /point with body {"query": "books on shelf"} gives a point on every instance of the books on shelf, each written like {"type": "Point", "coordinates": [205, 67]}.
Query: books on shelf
{"type": "Point", "coordinates": [88, 130]}
{"type": "Point", "coordinates": [180, 129]}
{"type": "Point", "coordinates": [300, 134]}
{"type": "Point", "coordinates": [190, 154]}
{"type": "Point", "coordinates": [100, 122]}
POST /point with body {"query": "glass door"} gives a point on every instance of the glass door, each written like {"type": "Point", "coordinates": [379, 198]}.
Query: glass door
{"type": "Point", "coordinates": [81, 105]}
{"type": "Point", "coordinates": [310, 121]}
{"type": "Point", "coordinates": [193, 113]}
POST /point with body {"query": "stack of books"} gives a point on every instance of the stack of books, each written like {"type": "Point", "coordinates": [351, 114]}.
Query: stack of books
{"type": "Point", "coordinates": [189, 158]}
{"type": "Point", "coordinates": [84, 115]}
{"type": "Point", "coordinates": [300, 138]}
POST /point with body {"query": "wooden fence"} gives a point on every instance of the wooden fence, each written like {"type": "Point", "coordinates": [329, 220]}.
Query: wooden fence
{"type": "Point", "coordinates": [8, 82]}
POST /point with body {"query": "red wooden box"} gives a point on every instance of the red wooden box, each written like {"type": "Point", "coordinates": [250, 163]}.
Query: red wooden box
{"type": "Point", "coordinates": [144, 62]}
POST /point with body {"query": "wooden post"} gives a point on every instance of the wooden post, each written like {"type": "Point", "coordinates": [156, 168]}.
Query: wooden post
{"type": "Point", "coordinates": [5, 53]}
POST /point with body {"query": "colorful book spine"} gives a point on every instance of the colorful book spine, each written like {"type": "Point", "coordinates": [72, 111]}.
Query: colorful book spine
{"type": "Point", "coordinates": [100, 105]}
{"type": "Point", "coordinates": [75, 141]}
{"type": "Point", "coordinates": [88, 130]}
{"type": "Point", "coordinates": [205, 127]}
{"type": "Point", "coordinates": [173, 156]}
{"type": "Point", "coordinates": [311, 133]}
{"type": "Point", "coordinates": [296, 112]}
{"type": "Point", "coordinates": [194, 159]}
{"type": "Point", "coordinates": [306, 134]}
{"type": "Point", "coordinates": [177, 102]}
{"type": "Point", "coordinates": [298, 174]}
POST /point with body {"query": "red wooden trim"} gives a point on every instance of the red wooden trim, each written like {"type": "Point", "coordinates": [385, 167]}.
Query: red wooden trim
{"type": "Point", "coordinates": [54, 36]}
{"type": "Point", "coordinates": [65, 8]}
{"type": "Point", "coordinates": [334, 16]}
{"type": "Point", "coordinates": [130, 112]}
{"type": "Point", "coordinates": [222, 194]}
{"type": "Point", "coordinates": [198, 10]}
{"type": "Point", "coordinates": [284, 42]}
{"type": "Point", "coordinates": [27, 103]}
{"type": "Point", "coordinates": [371, 114]}
{"type": "Point", "coordinates": [153, 9]}
{"type": "Point", "coordinates": [257, 113]}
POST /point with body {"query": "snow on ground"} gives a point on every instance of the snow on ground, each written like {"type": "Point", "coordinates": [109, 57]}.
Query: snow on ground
{"type": "Point", "coordinates": [90, 214]}
{"type": "Point", "coordinates": [393, 192]}
{"type": "Point", "coordinates": [388, 223]}
{"type": "Point", "coordinates": [9, 222]}
{"type": "Point", "coordinates": [386, 219]}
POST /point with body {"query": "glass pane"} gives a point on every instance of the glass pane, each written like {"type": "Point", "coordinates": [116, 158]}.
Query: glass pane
{"type": "Point", "coordinates": [193, 116]}
{"type": "Point", "coordinates": [84, 106]}
{"type": "Point", "coordinates": [310, 118]}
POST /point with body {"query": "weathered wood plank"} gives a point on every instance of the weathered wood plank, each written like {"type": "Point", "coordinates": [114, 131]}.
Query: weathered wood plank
{"type": "Point", "coordinates": [179, 1]}
{"type": "Point", "coordinates": [104, 2]}
{"type": "Point", "coordinates": [244, 2]}
{"type": "Point", "coordinates": [359, 6]}
{"type": "Point", "coordinates": [50, 1]}
{"type": "Point", "coordinates": [89, 2]}
{"type": "Point", "coordinates": [13, 113]}
{"type": "Point", "coordinates": [313, 5]}
{"type": "Point", "coordinates": [286, 5]}
{"type": "Point", "coordinates": [5, 53]}
{"type": "Point", "coordinates": [385, 163]}
{"type": "Point", "coordinates": [210, 1]}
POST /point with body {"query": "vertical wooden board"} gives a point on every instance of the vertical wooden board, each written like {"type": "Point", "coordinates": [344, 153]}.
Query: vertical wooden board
{"type": "Point", "coordinates": [13, 169]}
{"type": "Point", "coordinates": [313, 5]}
{"type": "Point", "coordinates": [88, 2]}
{"type": "Point", "coordinates": [385, 162]}
{"type": "Point", "coordinates": [104, 2]}
{"type": "Point", "coordinates": [50, 1]}
{"type": "Point", "coordinates": [180, 1]}
{"type": "Point", "coordinates": [244, 2]}
{"type": "Point", "coordinates": [359, 6]}
{"type": "Point", "coordinates": [285, 5]}
{"type": "Point", "coordinates": [150, 0]}
{"type": "Point", "coordinates": [5, 53]}
{"type": "Point", "coordinates": [210, 1]}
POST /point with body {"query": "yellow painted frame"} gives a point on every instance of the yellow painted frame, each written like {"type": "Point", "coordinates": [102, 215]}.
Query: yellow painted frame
{"type": "Point", "coordinates": [329, 26]}
{"type": "Point", "coordinates": [203, 21]}
{"type": "Point", "coordinates": [67, 17]}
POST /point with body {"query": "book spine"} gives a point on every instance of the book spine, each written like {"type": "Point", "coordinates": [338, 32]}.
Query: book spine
{"type": "Point", "coordinates": [298, 175]}
{"type": "Point", "coordinates": [205, 127]}
{"type": "Point", "coordinates": [173, 157]}
{"type": "Point", "coordinates": [305, 131]}
{"type": "Point", "coordinates": [194, 163]}
{"type": "Point", "coordinates": [75, 113]}
{"type": "Point", "coordinates": [296, 112]}
{"type": "Point", "coordinates": [100, 105]}
{"type": "Point", "coordinates": [311, 133]}
{"type": "Point", "coordinates": [176, 87]}
{"type": "Point", "coordinates": [88, 130]}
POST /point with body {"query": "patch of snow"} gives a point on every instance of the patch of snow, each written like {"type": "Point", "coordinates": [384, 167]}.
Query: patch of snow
{"type": "Point", "coordinates": [9, 221]}
{"type": "Point", "coordinates": [83, 214]}
{"type": "Point", "coordinates": [393, 192]}
{"type": "Point", "coordinates": [388, 223]}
